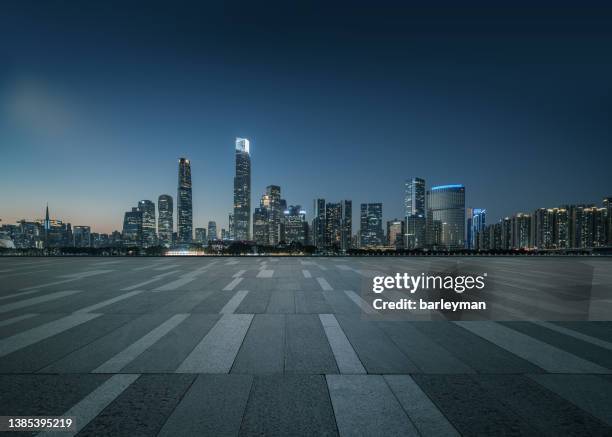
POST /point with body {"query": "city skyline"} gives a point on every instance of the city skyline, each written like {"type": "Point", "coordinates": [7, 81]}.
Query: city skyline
{"type": "Point", "coordinates": [511, 102]}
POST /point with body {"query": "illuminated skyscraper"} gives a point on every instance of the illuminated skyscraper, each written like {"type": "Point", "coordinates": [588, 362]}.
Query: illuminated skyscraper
{"type": "Point", "coordinates": [200, 236]}
{"type": "Point", "coordinates": [414, 197]}
{"type": "Point", "coordinates": [184, 208]}
{"type": "Point", "coordinates": [395, 233]}
{"type": "Point", "coordinates": [242, 191]}
{"type": "Point", "coordinates": [476, 223]}
{"type": "Point", "coordinates": [371, 232]}
{"type": "Point", "coordinates": [318, 224]}
{"type": "Point", "coordinates": [296, 227]}
{"type": "Point", "coordinates": [82, 236]}
{"type": "Point", "coordinates": [212, 231]}
{"type": "Point", "coordinates": [132, 228]}
{"type": "Point", "coordinates": [446, 210]}
{"type": "Point", "coordinates": [165, 223]}
{"type": "Point", "coordinates": [149, 237]}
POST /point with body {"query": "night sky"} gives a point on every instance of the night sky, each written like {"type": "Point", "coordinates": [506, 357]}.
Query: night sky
{"type": "Point", "coordinates": [99, 99]}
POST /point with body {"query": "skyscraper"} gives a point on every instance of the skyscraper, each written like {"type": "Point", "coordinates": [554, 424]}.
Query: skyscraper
{"type": "Point", "coordinates": [184, 209]}
{"type": "Point", "coordinates": [165, 223]}
{"type": "Point", "coordinates": [446, 206]}
{"type": "Point", "coordinates": [347, 224]}
{"type": "Point", "coordinates": [296, 227]}
{"type": "Point", "coordinates": [607, 205]}
{"type": "Point", "coordinates": [212, 231]}
{"type": "Point", "coordinates": [200, 236]}
{"type": "Point", "coordinates": [371, 232]}
{"type": "Point", "coordinates": [333, 226]}
{"type": "Point", "coordinates": [132, 228]}
{"type": "Point", "coordinates": [395, 233]}
{"type": "Point", "coordinates": [261, 228]}
{"type": "Point", "coordinates": [414, 212]}
{"type": "Point", "coordinates": [242, 191]}
{"type": "Point", "coordinates": [414, 197]}
{"type": "Point", "coordinates": [149, 237]}
{"type": "Point", "coordinates": [318, 224]}
{"type": "Point", "coordinates": [476, 223]}
{"type": "Point", "coordinates": [272, 202]}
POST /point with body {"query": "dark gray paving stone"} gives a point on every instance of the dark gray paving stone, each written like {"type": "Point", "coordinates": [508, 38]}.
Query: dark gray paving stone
{"type": "Point", "coordinates": [99, 351]}
{"type": "Point", "coordinates": [365, 405]}
{"type": "Point", "coordinates": [31, 395]}
{"type": "Point", "coordinates": [471, 409]}
{"type": "Point", "coordinates": [549, 413]}
{"type": "Point", "coordinates": [263, 348]}
{"type": "Point", "coordinates": [170, 350]}
{"type": "Point", "coordinates": [311, 302]}
{"type": "Point", "coordinates": [185, 303]}
{"type": "Point", "coordinates": [141, 303]}
{"type": "Point", "coordinates": [41, 354]}
{"type": "Point", "coordinates": [479, 354]}
{"type": "Point", "coordinates": [24, 325]}
{"type": "Point", "coordinates": [296, 405]}
{"type": "Point", "coordinates": [425, 353]}
{"type": "Point", "coordinates": [214, 303]}
{"type": "Point", "coordinates": [307, 348]}
{"type": "Point", "coordinates": [567, 343]}
{"type": "Point", "coordinates": [600, 330]}
{"type": "Point", "coordinates": [375, 349]}
{"type": "Point", "coordinates": [589, 392]}
{"type": "Point", "coordinates": [142, 409]}
{"type": "Point", "coordinates": [256, 302]}
{"type": "Point", "coordinates": [340, 303]}
{"type": "Point", "coordinates": [213, 406]}
{"type": "Point", "coordinates": [282, 302]}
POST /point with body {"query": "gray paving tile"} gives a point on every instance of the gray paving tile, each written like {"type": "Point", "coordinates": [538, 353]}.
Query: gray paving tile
{"type": "Point", "coordinates": [307, 348]}
{"type": "Point", "coordinates": [425, 416]}
{"type": "Point", "coordinates": [263, 348]}
{"type": "Point", "coordinates": [296, 405]}
{"type": "Point", "coordinates": [470, 408]}
{"type": "Point", "coordinates": [479, 354]}
{"type": "Point", "coordinates": [282, 302]}
{"type": "Point", "coordinates": [41, 354]}
{"type": "Point", "coordinates": [172, 349]}
{"type": "Point", "coordinates": [213, 406]}
{"type": "Point", "coordinates": [311, 302]}
{"type": "Point", "coordinates": [425, 353]}
{"type": "Point", "coordinates": [95, 353]}
{"type": "Point", "coordinates": [375, 349]}
{"type": "Point", "coordinates": [589, 392]}
{"type": "Point", "coordinates": [550, 414]}
{"type": "Point", "coordinates": [142, 408]}
{"type": "Point", "coordinates": [256, 302]}
{"type": "Point", "coordinates": [364, 405]}
{"type": "Point", "coordinates": [27, 395]}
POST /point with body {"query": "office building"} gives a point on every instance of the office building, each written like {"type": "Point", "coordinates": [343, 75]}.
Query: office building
{"type": "Point", "coordinates": [82, 236]}
{"type": "Point", "coordinates": [296, 226]}
{"type": "Point", "coordinates": [318, 224]}
{"type": "Point", "coordinates": [212, 231]}
{"type": "Point", "coordinates": [184, 207]}
{"type": "Point", "coordinates": [395, 233]}
{"type": "Point", "coordinates": [414, 197]}
{"type": "Point", "coordinates": [446, 206]}
{"type": "Point", "coordinates": [476, 222]}
{"type": "Point", "coordinates": [132, 228]}
{"type": "Point", "coordinates": [261, 228]}
{"type": "Point", "coordinates": [371, 231]}
{"type": "Point", "coordinates": [165, 222]}
{"type": "Point", "coordinates": [149, 237]}
{"type": "Point", "coordinates": [200, 236]}
{"type": "Point", "coordinates": [242, 191]}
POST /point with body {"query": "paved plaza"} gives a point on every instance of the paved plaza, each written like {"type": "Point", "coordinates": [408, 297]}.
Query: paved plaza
{"type": "Point", "coordinates": [220, 346]}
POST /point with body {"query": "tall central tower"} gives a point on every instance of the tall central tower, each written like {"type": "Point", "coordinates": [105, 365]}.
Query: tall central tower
{"type": "Point", "coordinates": [184, 209]}
{"type": "Point", "coordinates": [242, 191]}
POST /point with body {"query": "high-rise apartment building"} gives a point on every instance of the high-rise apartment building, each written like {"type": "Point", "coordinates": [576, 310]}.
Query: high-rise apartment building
{"type": "Point", "coordinates": [165, 222]}
{"type": "Point", "coordinates": [242, 191]}
{"type": "Point", "coordinates": [184, 207]}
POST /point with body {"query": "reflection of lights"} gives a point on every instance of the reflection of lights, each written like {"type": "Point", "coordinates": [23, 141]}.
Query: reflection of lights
{"type": "Point", "coordinates": [184, 252]}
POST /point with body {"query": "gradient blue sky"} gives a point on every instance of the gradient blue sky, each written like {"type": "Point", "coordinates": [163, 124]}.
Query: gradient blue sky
{"type": "Point", "coordinates": [99, 99]}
